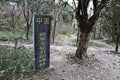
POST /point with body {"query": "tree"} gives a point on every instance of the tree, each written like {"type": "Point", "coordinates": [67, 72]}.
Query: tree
{"type": "Point", "coordinates": [107, 20]}
{"type": "Point", "coordinates": [29, 7]}
{"type": "Point", "coordinates": [85, 24]}
{"type": "Point", "coordinates": [12, 12]}
{"type": "Point", "coordinates": [117, 14]}
{"type": "Point", "coordinates": [57, 13]}
{"type": "Point", "coordinates": [111, 21]}
{"type": "Point", "coordinates": [60, 10]}
{"type": "Point", "coordinates": [27, 10]}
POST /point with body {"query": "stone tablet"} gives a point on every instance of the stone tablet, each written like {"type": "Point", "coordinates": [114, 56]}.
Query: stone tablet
{"type": "Point", "coordinates": [41, 30]}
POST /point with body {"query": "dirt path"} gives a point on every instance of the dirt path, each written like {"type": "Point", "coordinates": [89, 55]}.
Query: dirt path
{"type": "Point", "coordinates": [107, 66]}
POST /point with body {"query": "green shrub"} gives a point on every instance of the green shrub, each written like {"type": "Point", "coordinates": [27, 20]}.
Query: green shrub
{"type": "Point", "coordinates": [15, 64]}
{"type": "Point", "coordinates": [5, 28]}
{"type": "Point", "coordinates": [99, 37]}
{"type": "Point", "coordinates": [91, 59]}
{"type": "Point", "coordinates": [74, 59]}
{"type": "Point", "coordinates": [3, 38]}
{"type": "Point", "coordinates": [10, 36]}
{"type": "Point", "coordinates": [113, 52]}
{"type": "Point", "coordinates": [96, 44]}
{"type": "Point", "coordinates": [74, 42]}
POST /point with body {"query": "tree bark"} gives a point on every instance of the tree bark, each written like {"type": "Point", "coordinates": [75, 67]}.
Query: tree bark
{"type": "Point", "coordinates": [83, 45]}
{"type": "Point", "coordinates": [54, 29]}
{"type": "Point", "coordinates": [117, 40]}
{"type": "Point", "coordinates": [94, 33]}
{"type": "Point", "coordinates": [86, 24]}
{"type": "Point", "coordinates": [57, 14]}
{"type": "Point", "coordinates": [100, 32]}
{"type": "Point", "coordinates": [117, 43]}
{"type": "Point", "coordinates": [27, 31]}
{"type": "Point", "coordinates": [78, 34]}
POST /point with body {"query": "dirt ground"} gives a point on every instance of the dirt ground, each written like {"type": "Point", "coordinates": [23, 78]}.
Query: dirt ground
{"type": "Point", "coordinates": [106, 67]}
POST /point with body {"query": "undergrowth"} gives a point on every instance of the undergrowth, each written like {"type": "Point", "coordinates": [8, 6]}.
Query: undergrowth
{"type": "Point", "coordinates": [112, 52]}
{"type": "Point", "coordinates": [74, 59]}
{"type": "Point", "coordinates": [96, 44]}
{"type": "Point", "coordinates": [91, 59]}
{"type": "Point", "coordinates": [14, 63]}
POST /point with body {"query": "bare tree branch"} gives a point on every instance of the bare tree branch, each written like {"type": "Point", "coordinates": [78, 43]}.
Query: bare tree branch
{"type": "Point", "coordinates": [74, 4]}
{"type": "Point", "coordinates": [97, 11]}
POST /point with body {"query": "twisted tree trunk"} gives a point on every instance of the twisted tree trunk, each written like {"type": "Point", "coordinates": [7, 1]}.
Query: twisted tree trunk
{"type": "Point", "coordinates": [85, 24]}
{"type": "Point", "coordinates": [83, 45]}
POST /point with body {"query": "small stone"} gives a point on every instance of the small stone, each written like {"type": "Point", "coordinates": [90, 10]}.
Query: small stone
{"type": "Point", "coordinates": [97, 68]}
{"type": "Point", "coordinates": [78, 76]}
{"type": "Point", "coordinates": [93, 79]}
{"type": "Point", "coordinates": [114, 68]}
{"type": "Point", "coordinates": [63, 70]}
{"type": "Point", "coordinates": [86, 65]}
{"type": "Point", "coordinates": [52, 67]}
{"type": "Point", "coordinates": [118, 77]}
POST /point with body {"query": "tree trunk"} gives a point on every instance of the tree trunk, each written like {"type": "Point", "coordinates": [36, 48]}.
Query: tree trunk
{"type": "Point", "coordinates": [83, 45]}
{"type": "Point", "coordinates": [13, 27]}
{"type": "Point", "coordinates": [27, 31]}
{"type": "Point", "coordinates": [78, 34]}
{"type": "Point", "coordinates": [117, 40]}
{"type": "Point", "coordinates": [117, 43]}
{"type": "Point", "coordinates": [86, 24]}
{"type": "Point", "coordinates": [94, 33]}
{"type": "Point", "coordinates": [100, 32]}
{"type": "Point", "coordinates": [54, 29]}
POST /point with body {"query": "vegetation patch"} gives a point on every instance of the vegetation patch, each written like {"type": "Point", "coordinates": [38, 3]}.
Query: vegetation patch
{"type": "Point", "coordinates": [74, 59]}
{"type": "Point", "coordinates": [91, 59]}
{"type": "Point", "coordinates": [74, 42]}
{"type": "Point", "coordinates": [94, 44]}
{"type": "Point", "coordinates": [18, 34]}
{"type": "Point", "coordinates": [99, 37]}
{"type": "Point", "coordinates": [115, 52]}
{"type": "Point", "coordinates": [44, 74]}
{"type": "Point", "coordinates": [13, 63]}
{"type": "Point", "coordinates": [65, 31]}
{"type": "Point", "coordinates": [112, 52]}
{"type": "Point", "coordinates": [10, 36]}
